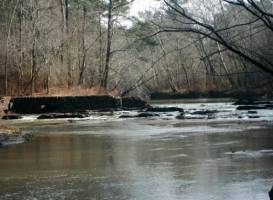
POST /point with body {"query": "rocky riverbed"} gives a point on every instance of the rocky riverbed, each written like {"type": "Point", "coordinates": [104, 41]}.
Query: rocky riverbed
{"type": "Point", "coordinates": [105, 157]}
{"type": "Point", "coordinates": [156, 151]}
{"type": "Point", "coordinates": [11, 136]}
{"type": "Point", "coordinates": [202, 109]}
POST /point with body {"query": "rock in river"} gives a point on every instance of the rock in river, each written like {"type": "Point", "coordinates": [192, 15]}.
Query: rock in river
{"type": "Point", "coordinates": [181, 116]}
{"type": "Point", "coordinates": [9, 136]}
{"type": "Point", "coordinates": [164, 109]}
{"type": "Point", "coordinates": [252, 112]}
{"type": "Point", "coordinates": [258, 107]}
{"type": "Point", "coordinates": [62, 116]}
{"type": "Point", "coordinates": [204, 112]}
{"type": "Point", "coordinates": [147, 114]}
{"type": "Point", "coordinates": [251, 101]}
{"type": "Point", "coordinates": [140, 115]}
{"type": "Point", "coordinates": [252, 104]}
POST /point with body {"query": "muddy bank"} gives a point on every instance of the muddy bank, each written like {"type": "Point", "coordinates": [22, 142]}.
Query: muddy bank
{"type": "Point", "coordinates": [72, 104]}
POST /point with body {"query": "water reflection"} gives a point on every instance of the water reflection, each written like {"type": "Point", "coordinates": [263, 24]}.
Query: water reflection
{"type": "Point", "coordinates": [136, 160]}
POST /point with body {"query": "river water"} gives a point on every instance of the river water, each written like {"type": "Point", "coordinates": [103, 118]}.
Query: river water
{"type": "Point", "coordinates": [104, 157]}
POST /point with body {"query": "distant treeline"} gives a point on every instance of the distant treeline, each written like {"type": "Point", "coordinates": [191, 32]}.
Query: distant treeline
{"type": "Point", "coordinates": [50, 47]}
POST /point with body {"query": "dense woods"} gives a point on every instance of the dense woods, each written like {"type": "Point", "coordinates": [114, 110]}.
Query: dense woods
{"type": "Point", "coordinates": [54, 46]}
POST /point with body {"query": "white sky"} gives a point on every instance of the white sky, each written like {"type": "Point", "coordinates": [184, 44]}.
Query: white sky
{"type": "Point", "coordinates": [142, 5]}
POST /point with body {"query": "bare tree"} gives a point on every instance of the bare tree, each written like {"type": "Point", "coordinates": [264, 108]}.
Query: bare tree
{"type": "Point", "coordinates": [197, 26]}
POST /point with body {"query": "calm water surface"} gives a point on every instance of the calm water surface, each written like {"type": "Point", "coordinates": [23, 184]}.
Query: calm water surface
{"type": "Point", "coordinates": [139, 159]}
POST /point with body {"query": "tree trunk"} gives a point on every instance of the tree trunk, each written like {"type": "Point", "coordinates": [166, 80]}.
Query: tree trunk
{"type": "Point", "coordinates": [20, 67]}
{"type": "Point", "coordinates": [65, 43]}
{"type": "Point", "coordinates": [83, 62]}
{"type": "Point", "coordinates": [100, 49]}
{"type": "Point", "coordinates": [7, 49]}
{"type": "Point", "coordinates": [104, 81]}
{"type": "Point", "coordinates": [33, 48]}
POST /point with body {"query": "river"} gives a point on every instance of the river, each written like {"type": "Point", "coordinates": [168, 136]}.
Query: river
{"type": "Point", "coordinates": [104, 157]}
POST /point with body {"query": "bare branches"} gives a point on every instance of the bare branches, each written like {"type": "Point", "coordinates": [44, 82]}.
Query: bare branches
{"type": "Point", "coordinates": [212, 33]}
{"type": "Point", "coordinates": [255, 10]}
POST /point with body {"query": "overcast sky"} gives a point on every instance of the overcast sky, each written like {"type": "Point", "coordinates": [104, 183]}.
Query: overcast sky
{"type": "Point", "coordinates": [142, 5]}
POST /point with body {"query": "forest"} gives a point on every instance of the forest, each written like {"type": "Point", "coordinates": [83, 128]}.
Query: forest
{"type": "Point", "coordinates": [92, 46]}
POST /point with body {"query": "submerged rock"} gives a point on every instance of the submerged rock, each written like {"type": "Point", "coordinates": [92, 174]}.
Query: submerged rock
{"type": "Point", "coordinates": [252, 112]}
{"type": "Point", "coordinates": [62, 116]}
{"type": "Point", "coordinates": [248, 101]}
{"type": "Point", "coordinates": [181, 116]}
{"type": "Point", "coordinates": [253, 104]}
{"type": "Point", "coordinates": [211, 116]}
{"type": "Point", "coordinates": [147, 114]}
{"type": "Point", "coordinates": [28, 137]}
{"type": "Point", "coordinates": [253, 117]}
{"type": "Point", "coordinates": [269, 106]}
{"type": "Point", "coordinates": [164, 109]}
{"type": "Point", "coordinates": [195, 118]}
{"type": "Point", "coordinates": [10, 136]}
{"type": "Point", "coordinates": [251, 101]}
{"type": "Point", "coordinates": [204, 112]}
{"type": "Point", "coordinates": [258, 107]}
{"type": "Point", "coordinates": [140, 115]}
{"type": "Point", "coordinates": [107, 110]}
{"type": "Point", "coordinates": [127, 116]}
